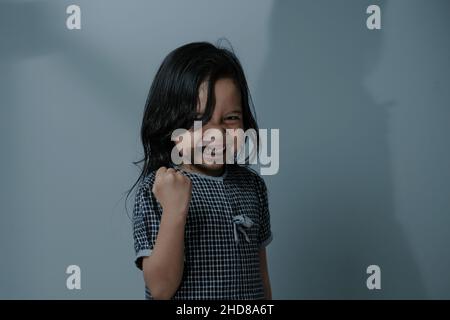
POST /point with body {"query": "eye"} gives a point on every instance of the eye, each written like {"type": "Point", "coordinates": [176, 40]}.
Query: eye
{"type": "Point", "coordinates": [232, 117]}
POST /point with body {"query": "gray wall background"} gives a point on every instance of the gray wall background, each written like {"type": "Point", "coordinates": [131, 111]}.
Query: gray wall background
{"type": "Point", "coordinates": [364, 126]}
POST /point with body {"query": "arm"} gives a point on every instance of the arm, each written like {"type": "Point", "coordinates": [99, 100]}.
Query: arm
{"type": "Point", "coordinates": [265, 274]}
{"type": "Point", "coordinates": [163, 269]}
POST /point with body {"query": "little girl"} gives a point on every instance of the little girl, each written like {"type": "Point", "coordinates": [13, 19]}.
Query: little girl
{"type": "Point", "coordinates": [200, 227]}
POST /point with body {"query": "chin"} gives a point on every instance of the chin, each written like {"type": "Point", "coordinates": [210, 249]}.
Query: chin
{"type": "Point", "coordinates": [212, 167]}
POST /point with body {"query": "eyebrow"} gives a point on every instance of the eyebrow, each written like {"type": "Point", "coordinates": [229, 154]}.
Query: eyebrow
{"type": "Point", "coordinates": [235, 111]}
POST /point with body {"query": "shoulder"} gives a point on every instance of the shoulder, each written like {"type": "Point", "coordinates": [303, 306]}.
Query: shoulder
{"type": "Point", "coordinates": [144, 197]}
{"type": "Point", "coordinates": [144, 187]}
{"type": "Point", "coordinates": [147, 181]}
{"type": "Point", "coordinates": [248, 175]}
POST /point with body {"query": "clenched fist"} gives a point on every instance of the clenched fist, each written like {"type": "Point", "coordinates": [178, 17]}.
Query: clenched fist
{"type": "Point", "coordinates": [173, 191]}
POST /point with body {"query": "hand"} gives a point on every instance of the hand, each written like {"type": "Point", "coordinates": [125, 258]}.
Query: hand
{"type": "Point", "coordinates": [173, 191]}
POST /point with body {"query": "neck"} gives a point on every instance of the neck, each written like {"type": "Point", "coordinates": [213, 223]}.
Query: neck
{"type": "Point", "coordinates": [206, 171]}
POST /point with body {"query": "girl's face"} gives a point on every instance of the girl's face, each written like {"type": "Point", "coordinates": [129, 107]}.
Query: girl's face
{"type": "Point", "coordinates": [227, 115]}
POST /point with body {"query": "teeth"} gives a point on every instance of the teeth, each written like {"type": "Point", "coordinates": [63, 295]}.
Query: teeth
{"type": "Point", "coordinates": [213, 151]}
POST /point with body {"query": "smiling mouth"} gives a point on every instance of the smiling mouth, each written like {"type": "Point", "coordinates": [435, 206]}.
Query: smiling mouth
{"type": "Point", "coordinates": [213, 151]}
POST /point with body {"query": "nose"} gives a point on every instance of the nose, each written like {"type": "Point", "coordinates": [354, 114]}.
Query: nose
{"type": "Point", "coordinates": [212, 129]}
{"type": "Point", "coordinates": [215, 124]}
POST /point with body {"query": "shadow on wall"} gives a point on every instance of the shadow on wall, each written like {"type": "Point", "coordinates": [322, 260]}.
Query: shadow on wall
{"type": "Point", "coordinates": [414, 73]}
{"type": "Point", "coordinates": [32, 29]}
{"type": "Point", "coordinates": [332, 200]}
{"type": "Point", "coordinates": [49, 131]}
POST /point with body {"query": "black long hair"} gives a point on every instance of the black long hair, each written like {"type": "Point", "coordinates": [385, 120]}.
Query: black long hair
{"type": "Point", "coordinates": [173, 98]}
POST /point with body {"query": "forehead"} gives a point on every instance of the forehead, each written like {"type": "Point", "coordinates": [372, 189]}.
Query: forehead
{"type": "Point", "coordinates": [227, 95]}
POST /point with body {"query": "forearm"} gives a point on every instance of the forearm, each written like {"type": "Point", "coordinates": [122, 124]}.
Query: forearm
{"type": "Point", "coordinates": [163, 270]}
{"type": "Point", "coordinates": [267, 288]}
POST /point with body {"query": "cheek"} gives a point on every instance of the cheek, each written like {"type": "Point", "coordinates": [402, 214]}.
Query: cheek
{"type": "Point", "coordinates": [194, 139]}
{"type": "Point", "coordinates": [184, 141]}
{"type": "Point", "coordinates": [236, 125]}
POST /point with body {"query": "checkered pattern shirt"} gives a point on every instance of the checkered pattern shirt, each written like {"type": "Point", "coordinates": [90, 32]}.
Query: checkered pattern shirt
{"type": "Point", "coordinates": [221, 254]}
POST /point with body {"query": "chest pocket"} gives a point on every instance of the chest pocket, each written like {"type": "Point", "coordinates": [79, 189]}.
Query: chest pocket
{"type": "Point", "coordinates": [243, 228]}
{"type": "Point", "coordinates": [245, 219]}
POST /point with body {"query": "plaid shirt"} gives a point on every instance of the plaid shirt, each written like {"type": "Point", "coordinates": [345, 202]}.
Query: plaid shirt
{"type": "Point", "coordinates": [228, 222]}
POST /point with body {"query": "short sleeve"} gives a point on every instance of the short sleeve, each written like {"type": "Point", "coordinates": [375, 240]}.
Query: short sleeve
{"type": "Point", "coordinates": [265, 232]}
{"type": "Point", "coordinates": [146, 221]}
